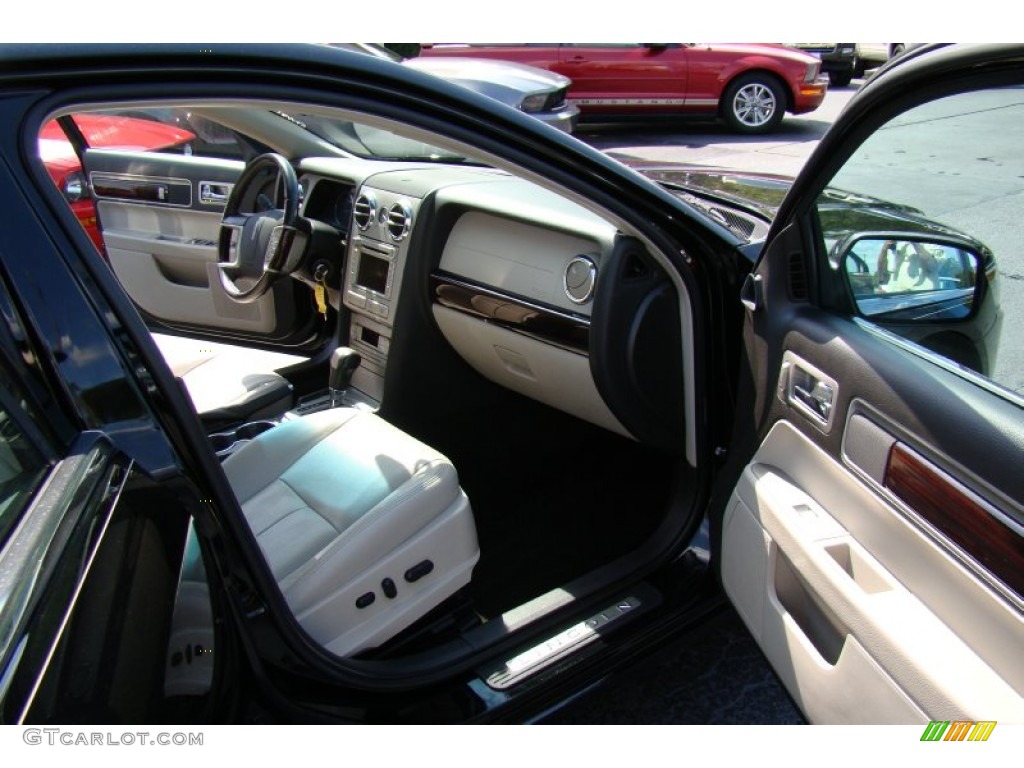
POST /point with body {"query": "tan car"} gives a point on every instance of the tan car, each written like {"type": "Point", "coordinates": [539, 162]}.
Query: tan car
{"type": "Point", "coordinates": [870, 55]}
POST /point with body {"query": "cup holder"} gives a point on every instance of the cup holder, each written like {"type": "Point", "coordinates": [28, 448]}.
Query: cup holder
{"type": "Point", "coordinates": [226, 443]}
{"type": "Point", "coordinates": [222, 441]}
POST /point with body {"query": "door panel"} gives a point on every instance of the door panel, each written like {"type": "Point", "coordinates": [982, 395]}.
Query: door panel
{"type": "Point", "coordinates": [871, 605]}
{"type": "Point", "coordinates": [160, 219]}
{"type": "Point", "coordinates": [835, 620]}
{"type": "Point", "coordinates": [874, 542]}
{"type": "Point", "coordinates": [625, 77]}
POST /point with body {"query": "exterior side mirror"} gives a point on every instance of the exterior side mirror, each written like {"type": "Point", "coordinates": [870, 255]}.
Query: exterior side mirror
{"type": "Point", "coordinates": [907, 277]}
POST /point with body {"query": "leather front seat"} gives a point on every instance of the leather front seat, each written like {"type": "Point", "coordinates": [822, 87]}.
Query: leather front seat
{"type": "Point", "coordinates": [364, 528]}
{"type": "Point", "coordinates": [228, 384]}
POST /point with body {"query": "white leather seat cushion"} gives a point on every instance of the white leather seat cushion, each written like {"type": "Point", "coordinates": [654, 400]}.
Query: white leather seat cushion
{"type": "Point", "coordinates": [219, 376]}
{"type": "Point", "coordinates": [340, 500]}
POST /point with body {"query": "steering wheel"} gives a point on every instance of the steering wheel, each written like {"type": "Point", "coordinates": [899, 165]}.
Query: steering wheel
{"type": "Point", "coordinates": [261, 241]}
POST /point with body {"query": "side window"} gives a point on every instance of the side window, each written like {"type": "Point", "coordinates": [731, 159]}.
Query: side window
{"type": "Point", "coordinates": [174, 131]}
{"type": "Point", "coordinates": [164, 130]}
{"type": "Point", "coordinates": [923, 222]}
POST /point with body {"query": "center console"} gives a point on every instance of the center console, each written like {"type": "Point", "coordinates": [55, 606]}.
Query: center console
{"type": "Point", "coordinates": [377, 253]}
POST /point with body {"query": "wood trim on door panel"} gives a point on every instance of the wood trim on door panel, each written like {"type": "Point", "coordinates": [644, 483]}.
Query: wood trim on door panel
{"type": "Point", "coordinates": [958, 514]}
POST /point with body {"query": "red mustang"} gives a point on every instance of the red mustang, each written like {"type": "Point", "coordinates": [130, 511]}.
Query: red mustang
{"type": "Point", "coordinates": [106, 132]}
{"type": "Point", "coordinates": [749, 86]}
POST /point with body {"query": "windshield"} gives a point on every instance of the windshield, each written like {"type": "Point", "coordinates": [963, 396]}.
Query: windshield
{"type": "Point", "coordinates": [374, 143]}
{"type": "Point", "coordinates": [186, 131]}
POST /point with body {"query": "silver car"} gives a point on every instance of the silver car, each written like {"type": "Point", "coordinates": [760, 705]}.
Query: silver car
{"type": "Point", "coordinates": [535, 91]}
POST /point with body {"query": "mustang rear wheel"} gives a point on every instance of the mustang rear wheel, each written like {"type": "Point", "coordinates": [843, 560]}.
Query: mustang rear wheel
{"type": "Point", "coordinates": [754, 103]}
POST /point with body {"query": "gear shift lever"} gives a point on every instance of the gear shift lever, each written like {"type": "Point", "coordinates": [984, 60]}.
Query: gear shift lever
{"type": "Point", "coordinates": [344, 361]}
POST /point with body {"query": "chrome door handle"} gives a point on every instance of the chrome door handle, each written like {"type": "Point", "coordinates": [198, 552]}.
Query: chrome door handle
{"type": "Point", "coordinates": [212, 193]}
{"type": "Point", "coordinates": [818, 398]}
{"type": "Point", "coordinates": [808, 390]}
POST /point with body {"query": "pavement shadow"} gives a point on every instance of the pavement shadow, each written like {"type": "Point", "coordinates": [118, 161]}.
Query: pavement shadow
{"type": "Point", "coordinates": [716, 675]}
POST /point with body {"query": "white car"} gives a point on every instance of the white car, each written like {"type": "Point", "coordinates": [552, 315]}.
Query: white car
{"type": "Point", "coordinates": [538, 92]}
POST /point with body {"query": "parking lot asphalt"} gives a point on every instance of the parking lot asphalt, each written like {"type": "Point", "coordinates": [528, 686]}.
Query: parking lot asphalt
{"type": "Point", "coordinates": [716, 674]}
{"type": "Point", "coordinates": [712, 144]}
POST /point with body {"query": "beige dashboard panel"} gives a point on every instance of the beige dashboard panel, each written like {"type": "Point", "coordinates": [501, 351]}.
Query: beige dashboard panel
{"type": "Point", "coordinates": [516, 258]}
{"type": "Point", "coordinates": [540, 371]}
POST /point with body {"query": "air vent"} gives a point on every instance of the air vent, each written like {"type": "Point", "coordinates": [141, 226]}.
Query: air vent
{"type": "Point", "coordinates": [364, 210]}
{"type": "Point", "coordinates": [399, 221]}
{"type": "Point", "coordinates": [797, 278]}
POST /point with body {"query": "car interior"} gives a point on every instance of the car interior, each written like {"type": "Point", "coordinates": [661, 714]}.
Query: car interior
{"type": "Point", "coordinates": [445, 397]}
{"type": "Point", "coordinates": [449, 399]}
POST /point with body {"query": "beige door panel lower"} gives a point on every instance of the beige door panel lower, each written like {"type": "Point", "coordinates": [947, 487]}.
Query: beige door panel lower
{"type": "Point", "coordinates": [166, 259]}
{"type": "Point", "coordinates": [841, 592]}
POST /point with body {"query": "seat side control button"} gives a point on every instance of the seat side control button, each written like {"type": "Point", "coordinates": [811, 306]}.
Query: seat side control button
{"type": "Point", "coordinates": [418, 571]}
{"type": "Point", "coordinates": [364, 601]}
{"type": "Point", "coordinates": [389, 588]}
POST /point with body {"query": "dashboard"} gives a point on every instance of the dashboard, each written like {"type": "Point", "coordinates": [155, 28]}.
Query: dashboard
{"type": "Point", "coordinates": [521, 283]}
{"type": "Point", "coordinates": [435, 269]}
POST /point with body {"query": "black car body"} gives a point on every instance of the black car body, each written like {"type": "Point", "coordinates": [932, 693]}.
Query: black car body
{"type": "Point", "coordinates": [839, 60]}
{"type": "Point", "coordinates": [636, 414]}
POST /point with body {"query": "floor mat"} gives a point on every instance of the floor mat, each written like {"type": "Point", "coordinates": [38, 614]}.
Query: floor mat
{"type": "Point", "coordinates": [548, 514]}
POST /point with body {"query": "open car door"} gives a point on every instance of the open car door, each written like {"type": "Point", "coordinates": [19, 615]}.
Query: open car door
{"type": "Point", "coordinates": [873, 541]}
{"type": "Point", "coordinates": [159, 183]}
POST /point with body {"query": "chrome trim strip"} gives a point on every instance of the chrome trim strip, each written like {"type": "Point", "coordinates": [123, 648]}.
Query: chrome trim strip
{"type": "Point", "coordinates": [102, 176]}
{"type": "Point", "coordinates": [651, 102]}
{"type": "Point", "coordinates": [933, 357]}
{"type": "Point", "coordinates": [562, 329]}
{"type": "Point", "coordinates": [111, 506]}
{"type": "Point", "coordinates": [533, 660]}
{"type": "Point", "coordinates": [631, 102]}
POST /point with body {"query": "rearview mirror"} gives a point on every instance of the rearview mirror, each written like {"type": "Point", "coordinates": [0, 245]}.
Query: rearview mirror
{"type": "Point", "coordinates": [908, 277]}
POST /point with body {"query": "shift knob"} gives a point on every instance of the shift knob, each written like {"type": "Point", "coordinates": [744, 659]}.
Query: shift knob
{"type": "Point", "coordinates": [344, 361]}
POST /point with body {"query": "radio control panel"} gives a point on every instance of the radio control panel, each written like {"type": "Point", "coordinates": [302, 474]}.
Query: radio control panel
{"type": "Point", "coordinates": [381, 224]}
